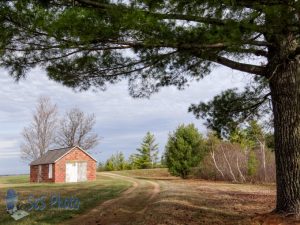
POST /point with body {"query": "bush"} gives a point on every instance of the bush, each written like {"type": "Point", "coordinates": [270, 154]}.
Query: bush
{"type": "Point", "coordinates": [252, 164]}
{"type": "Point", "coordinates": [184, 150]}
{"type": "Point", "coordinates": [238, 166]}
{"type": "Point", "coordinates": [116, 162]}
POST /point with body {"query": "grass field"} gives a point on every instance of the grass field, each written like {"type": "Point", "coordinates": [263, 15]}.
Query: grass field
{"type": "Point", "coordinates": [90, 195]}
{"type": "Point", "coordinates": [152, 197]}
{"type": "Point", "coordinates": [195, 201]}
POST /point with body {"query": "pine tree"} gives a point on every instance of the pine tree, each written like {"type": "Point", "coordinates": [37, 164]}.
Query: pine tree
{"type": "Point", "coordinates": [109, 166]}
{"type": "Point", "coordinates": [116, 162]}
{"type": "Point", "coordinates": [185, 149]}
{"type": "Point", "coordinates": [148, 153]}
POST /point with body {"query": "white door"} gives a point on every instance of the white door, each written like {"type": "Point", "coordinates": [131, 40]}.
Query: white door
{"type": "Point", "coordinates": [82, 171]}
{"type": "Point", "coordinates": [71, 172]}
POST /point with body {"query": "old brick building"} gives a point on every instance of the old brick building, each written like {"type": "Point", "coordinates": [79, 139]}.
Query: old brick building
{"type": "Point", "coordinates": [72, 164]}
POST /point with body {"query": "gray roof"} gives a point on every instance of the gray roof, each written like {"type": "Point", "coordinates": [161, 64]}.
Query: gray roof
{"type": "Point", "coordinates": [51, 156]}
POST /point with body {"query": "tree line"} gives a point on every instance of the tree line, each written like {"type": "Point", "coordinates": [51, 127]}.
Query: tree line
{"type": "Point", "coordinates": [47, 130]}
{"type": "Point", "coordinates": [145, 158]}
{"type": "Point", "coordinates": [246, 156]}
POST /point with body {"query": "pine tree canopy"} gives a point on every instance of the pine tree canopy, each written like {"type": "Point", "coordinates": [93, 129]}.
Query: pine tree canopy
{"type": "Point", "coordinates": [232, 109]}
{"type": "Point", "coordinates": [90, 43]}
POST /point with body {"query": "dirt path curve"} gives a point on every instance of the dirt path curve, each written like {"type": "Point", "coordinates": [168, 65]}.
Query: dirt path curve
{"type": "Point", "coordinates": [125, 209]}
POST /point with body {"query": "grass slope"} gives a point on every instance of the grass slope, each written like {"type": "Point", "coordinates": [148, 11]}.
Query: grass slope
{"type": "Point", "coordinates": [90, 195]}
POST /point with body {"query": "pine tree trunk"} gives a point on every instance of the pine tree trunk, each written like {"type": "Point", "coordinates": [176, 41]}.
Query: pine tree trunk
{"type": "Point", "coordinates": [285, 91]}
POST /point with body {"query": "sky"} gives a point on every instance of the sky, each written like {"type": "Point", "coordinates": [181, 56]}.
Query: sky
{"type": "Point", "coordinates": [122, 121]}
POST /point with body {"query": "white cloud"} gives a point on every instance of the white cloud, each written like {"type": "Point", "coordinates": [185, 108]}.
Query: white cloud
{"type": "Point", "coordinates": [121, 120]}
{"type": "Point", "coordinates": [7, 144]}
{"type": "Point", "coordinates": [5, 155]}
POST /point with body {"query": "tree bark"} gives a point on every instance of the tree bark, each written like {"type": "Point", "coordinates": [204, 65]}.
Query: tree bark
{"type": "Point", "coordinates": [238, 167]}
{"type": "Point", "coordinates": [215, 163]}
{"type": "Point", "coordinates": [229, 166]}
{"type": "Point", "coordinates": [262, 145]}
{"type": "Point", "coordinates": [285, 92]}
{"type": "Point", "coordinates": [263, 152]}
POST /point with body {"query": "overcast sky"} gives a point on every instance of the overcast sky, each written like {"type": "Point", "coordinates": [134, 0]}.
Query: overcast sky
{"type": "Point", "coordinates": [122, 121]}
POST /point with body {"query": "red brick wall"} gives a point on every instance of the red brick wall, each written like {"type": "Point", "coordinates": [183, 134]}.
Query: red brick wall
{"type": "Point", "coordinates": [73, 156]}
{"type": "Point", "coordinates": [59, 168]}
{"type": "Point", "coordinates": [33, 173]}
{"type": "Point", "coordinates": [45, 173]}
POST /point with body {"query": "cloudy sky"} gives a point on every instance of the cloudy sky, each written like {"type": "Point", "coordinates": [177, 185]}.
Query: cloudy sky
{"type": "Point", "coordinates": [121, 120]}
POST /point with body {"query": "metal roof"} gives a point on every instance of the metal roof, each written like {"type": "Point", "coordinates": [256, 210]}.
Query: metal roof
{"type": "Point", "coordinates": [54, 155]}
{"type": "Point", "coordinates": [51, 156]}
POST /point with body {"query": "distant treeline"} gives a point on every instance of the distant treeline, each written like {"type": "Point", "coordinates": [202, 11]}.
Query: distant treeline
{"type": "Point", "coordinates": [246, 156]}
{"type": "Point", "coordinates": [145, 158]}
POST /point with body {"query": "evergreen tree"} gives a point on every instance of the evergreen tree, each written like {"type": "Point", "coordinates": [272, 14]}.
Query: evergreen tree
{"type": "Point", "coordinates": [185, 149]}
{"type": "Point", "coordinates": [132, 162]}
{"type": "Point", "coordinates": [116, 162]}
{"type": "Point", "coordinates": [230, 110]}
{"type": "Point", "coordinates": [109, 166]}
{"type": "Point", "coordinates": [121, 162]}
{"type": "Point", "coordinates": [252, 163]}
{"type": "Point", "coordinates": [148, 153]}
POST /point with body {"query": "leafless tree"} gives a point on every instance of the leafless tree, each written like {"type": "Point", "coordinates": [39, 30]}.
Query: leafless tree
{"type": "Point", "coordinates": [239, 169]}
{"type": "Point", "coordinates": [76, 129]}
{"type": "Point", "coordinates": [229, 161]}
{"type": "Point", "coordinates": [228, 164]}
{"type": "Point", "coordinates": [40, 134]}
{"type": "Point", "coordinates": [216, 164]}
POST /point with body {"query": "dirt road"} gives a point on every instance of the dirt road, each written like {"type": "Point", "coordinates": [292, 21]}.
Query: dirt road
{"type": "Point", "coordinates": [125, 209]}
{"type": "Point", "coordinates": [162, 199]}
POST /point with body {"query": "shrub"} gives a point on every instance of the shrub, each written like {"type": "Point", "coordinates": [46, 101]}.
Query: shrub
{"type": "Point", "coordinates": [184, 150]}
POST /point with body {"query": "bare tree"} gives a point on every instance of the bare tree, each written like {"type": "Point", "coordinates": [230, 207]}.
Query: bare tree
{"type": "Point", "coordinates": [216, 164]}
{"type": "Point", "coordinates": [240, 172]}
{"type": "Point", "coordinates": [40, 134]}
{"type": "Point", "coordinates": [229, 165]}
{"type": "Point", "coordinates": [76, 129]}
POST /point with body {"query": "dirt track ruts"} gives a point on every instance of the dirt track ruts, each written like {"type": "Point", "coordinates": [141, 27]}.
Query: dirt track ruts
{"type": "Point", "coordinates": [128, 207]}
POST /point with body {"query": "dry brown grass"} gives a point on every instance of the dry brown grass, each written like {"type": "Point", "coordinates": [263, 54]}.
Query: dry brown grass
{"type": "Point", "coordinates": [205, 202]}
{"type": "Point", "coordinates": [157, 174]}
{"type": "Point", "coordinates": [202, 202]}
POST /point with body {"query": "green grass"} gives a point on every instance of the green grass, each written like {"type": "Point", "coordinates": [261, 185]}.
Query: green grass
{"type": "Point", "coordinates": [20, 179]}
{"type": "Point", "coordinates": [90, 195]}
